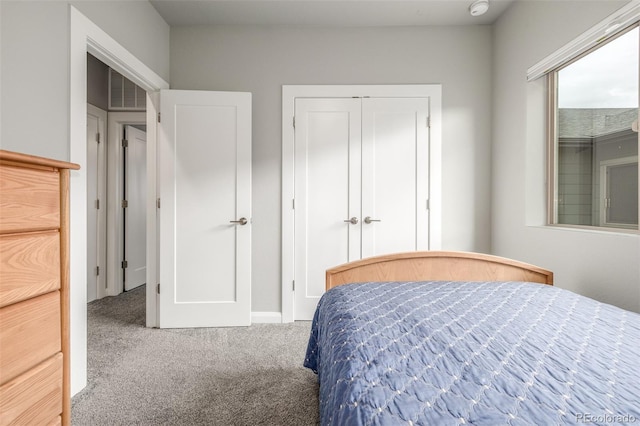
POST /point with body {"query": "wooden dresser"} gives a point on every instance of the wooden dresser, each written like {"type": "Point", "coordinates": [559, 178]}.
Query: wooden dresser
{"type": "Point", "coordinates": [34, 290]}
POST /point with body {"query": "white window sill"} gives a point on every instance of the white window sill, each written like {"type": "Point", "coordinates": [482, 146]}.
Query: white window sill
{"type": "Point", "coordinates": [591, 229]}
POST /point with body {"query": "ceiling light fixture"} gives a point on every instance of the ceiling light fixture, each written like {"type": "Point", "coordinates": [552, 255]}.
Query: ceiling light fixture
{"type": "Point", "coordinates": [479, 7]}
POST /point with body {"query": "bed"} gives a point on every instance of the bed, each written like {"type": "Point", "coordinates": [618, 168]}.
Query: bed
{"type": "Point", "coordinates": [449, 338]}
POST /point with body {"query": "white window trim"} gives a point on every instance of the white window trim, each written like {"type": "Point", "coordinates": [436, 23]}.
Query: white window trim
{"type": "Point", "coordinates": [612, 26]}
{"type": "Point", "coordinates": [618, 20]}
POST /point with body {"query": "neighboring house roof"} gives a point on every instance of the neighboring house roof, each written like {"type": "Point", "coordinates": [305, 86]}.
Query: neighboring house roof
{"type": "Point", "coordinates": [594, 122]}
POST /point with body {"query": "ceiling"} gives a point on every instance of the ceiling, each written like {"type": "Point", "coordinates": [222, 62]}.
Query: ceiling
{"type": "Point", "coordinates": [325, 13]}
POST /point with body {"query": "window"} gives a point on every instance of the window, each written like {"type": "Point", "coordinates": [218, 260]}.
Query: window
{"type": "Point", "coordinates": [593, 136]}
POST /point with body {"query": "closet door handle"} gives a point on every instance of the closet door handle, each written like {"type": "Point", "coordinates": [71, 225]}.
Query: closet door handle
{"type": "Point", "coordinates": [353, 220]}
{"type": "Point", "coordinates": [368, 220]}
{"type": "Point", "coordinates": [241, 221]}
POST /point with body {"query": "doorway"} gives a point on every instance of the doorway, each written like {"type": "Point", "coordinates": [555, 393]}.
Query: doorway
{"type": "Point", "coordinates": [116, 182]}
{"type": "Point", "coordinates": [86, 37]}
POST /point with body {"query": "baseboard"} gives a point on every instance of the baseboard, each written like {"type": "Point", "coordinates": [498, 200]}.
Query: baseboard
{"type": "Point", "coordinates": [266, 317]}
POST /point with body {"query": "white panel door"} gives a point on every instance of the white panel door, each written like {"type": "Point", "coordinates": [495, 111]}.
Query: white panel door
{"type": "Point", "coordinates": [395, 175]}
{"type": "Point", "coordinates": [205, 214]}
{"type": "Point", "coordinates": [327, 194]}
{"type": "Point", "coordinates": [96, 200]}
{"type": "Point", "coordinates": [361, 185]}
{"type": "Point", "coordinates": [135, 214]}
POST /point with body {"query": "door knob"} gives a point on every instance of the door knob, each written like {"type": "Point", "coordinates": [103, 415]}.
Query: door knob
{"type": "Point", "coordinates": [368, 220]}
{"type": "Point", "coordinates": [353, 220]}
{"type": "Point", "coordinates": [241, 221]}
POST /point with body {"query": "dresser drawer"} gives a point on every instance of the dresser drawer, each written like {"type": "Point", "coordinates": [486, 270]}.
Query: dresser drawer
{"type": "Point", "coordinates": [30, 199]}
{"type": "Point", "coordinates": [29, 334]}
{"type": "Point", "coordinates": [29, 265]}
{"type": "Point", "coordinates": [35, 397]}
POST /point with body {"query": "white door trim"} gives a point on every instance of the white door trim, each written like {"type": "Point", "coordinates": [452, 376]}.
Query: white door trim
{"type": "Point", "coordinates": [117, 121]}
{"type": "Point", "coordinates": [87, 37]}
{"type": "Point", "coordinates": [153, 211]}
{"type": "Point", "coordinates": [289, 94]}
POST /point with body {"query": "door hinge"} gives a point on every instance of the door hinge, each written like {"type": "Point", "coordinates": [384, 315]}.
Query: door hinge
{"type": "Point", "coordinates": [98, 204]}
{"type": "Point", "coordinates": [293, 285]}
{"type": "Point", "coordinates": [158, 288]}
{"type": "Point", "coordinates": [158, 117]}
{"type": "Point", "coordinates": [97, 270]}
{"type": "Point", "coordinates": [294, 122]}
{"type": "Point", "coordinates": [158, 203]}
{"type": "Point", "coordinates": [125, 143]}
{"type": "Point", "coordinates": [125, 264]}
{"type": "Point", "coordinates": [125, 204]}
{"type": "Point", "coordinates": [428, 205]}
{"type": "Point", "coordinates": [428, 121]}
{"type": "Point", "coordinates": [293, 204]}
{"type": "Point", "coordinates": [98, 137]}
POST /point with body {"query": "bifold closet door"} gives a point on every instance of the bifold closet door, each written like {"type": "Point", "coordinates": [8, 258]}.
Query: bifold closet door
{"type": "Point", "coordinates": [395, 175]}
{"type": "Point", "coordinates": [327, 193]}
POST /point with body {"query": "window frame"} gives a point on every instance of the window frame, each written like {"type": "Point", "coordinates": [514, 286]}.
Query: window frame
{"type": "Point", "coordinates": [552, 136]}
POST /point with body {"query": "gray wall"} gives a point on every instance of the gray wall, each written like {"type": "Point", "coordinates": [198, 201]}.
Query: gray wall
{"type": "Point", "coordinates": [34, 61]}
{"type": "Point", "coordinates": [262, 59]}
{"type": "Point", "coordinates": [602, 265]}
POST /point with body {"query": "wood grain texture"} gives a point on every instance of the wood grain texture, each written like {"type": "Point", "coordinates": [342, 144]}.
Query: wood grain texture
{"type": "Point", "coordinates": [29, 334]}
{"type": "Point", "coordinates": [34, 398]}
{"type": "Point", "coordinates": [27, 160]}
{"type": "Point", "coordinates": [64, 296]}
{"type": "Point", "coordinates": [34, 289]}
{"type": "Point", "coordinates": [29, 199]}
{"type": "Point", "coordinates": [436, 266]}
{"type": "Point", "coordinates": [56, 422]}
{"type": "Point", "coordinates": [29, 265]}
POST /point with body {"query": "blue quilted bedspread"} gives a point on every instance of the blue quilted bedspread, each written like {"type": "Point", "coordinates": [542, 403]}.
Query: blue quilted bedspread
{"type": "Point", "coordinates": [443, 353]}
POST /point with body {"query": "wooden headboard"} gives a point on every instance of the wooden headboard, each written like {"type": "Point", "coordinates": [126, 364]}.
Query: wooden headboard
{"type": "Point", "coordinates": [436, 266]}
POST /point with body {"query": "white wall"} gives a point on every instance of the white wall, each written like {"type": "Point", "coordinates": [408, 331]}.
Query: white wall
{"type": "Point", "coordinates": [261, 59]}
{"type": "Point", "coordinates": [34, 76]}
{"type": "Point", "coordinates": [35, 64]}
{"type": "Point", "coordinates": [601, 265]}
{"type": "Point", "coordinates": [134, 24]}
{"type": "Point", "coordinates": [34, 51]}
